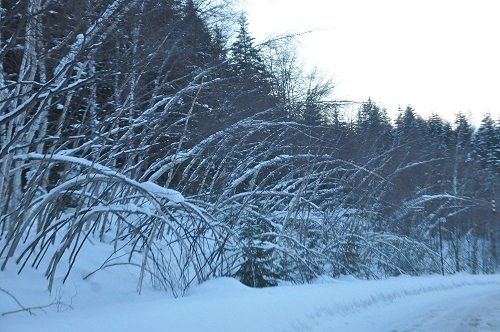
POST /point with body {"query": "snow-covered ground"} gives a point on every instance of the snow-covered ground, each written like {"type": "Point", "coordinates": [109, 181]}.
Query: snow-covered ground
{"type": "Point", "coordinates": [107, 301]}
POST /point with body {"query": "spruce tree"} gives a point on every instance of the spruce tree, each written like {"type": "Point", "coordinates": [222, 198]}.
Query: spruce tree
{"type": "Point", "coordinates": [246, 60]}
{"type": "Point", "coordinates": [373, 130]}
{"type": "Point", "coordinates": [487, 143]}
{"type": "Point", "coordinates": [250, 80]}
{"type": "Point", "coordinates": [197, 41]}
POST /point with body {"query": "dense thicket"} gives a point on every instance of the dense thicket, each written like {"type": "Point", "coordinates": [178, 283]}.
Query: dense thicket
{"type": "Point", "coordinates": [137, 123]}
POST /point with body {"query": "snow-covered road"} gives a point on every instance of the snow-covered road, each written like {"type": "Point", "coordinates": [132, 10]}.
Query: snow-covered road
{"type": "Point", "coordinates": [478, 312]}
{"type": "Point", "coordinates": [475, 308]}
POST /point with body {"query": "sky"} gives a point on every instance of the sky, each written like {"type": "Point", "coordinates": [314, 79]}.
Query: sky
{"type": "Point", "coordinates": [439, 56]}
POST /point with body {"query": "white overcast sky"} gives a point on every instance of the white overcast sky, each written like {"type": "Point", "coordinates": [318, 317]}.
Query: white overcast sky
{"type": "Point", "coordinates": [440, 56]}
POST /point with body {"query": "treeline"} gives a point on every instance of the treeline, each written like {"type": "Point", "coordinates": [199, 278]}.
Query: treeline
{"type": "Point", "coordinates": [197, 153]}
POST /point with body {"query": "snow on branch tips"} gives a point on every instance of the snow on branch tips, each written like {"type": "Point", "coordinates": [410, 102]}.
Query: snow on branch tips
{"type": "Point", "coordinates": [143, 219]}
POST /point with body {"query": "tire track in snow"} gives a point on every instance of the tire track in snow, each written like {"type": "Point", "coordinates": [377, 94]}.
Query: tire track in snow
{"type": "Point", "coordinates": [321, 313]}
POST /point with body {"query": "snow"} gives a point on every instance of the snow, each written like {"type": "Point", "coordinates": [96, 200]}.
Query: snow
{"type": "Point", "coordinates": [107, 301]}
{"type": "Point", "coordinates": [18, 110]}
{"type": "Point", "coordinates": [470, 309]}
{"type": "Point", "coordinates": [258, 168]}
{"type": "Point", "coordinates": [70, 57]}
{"type": "Point", "coordinates": [150, 187]}
{"type": "Point", "coordinates": [161, 192]}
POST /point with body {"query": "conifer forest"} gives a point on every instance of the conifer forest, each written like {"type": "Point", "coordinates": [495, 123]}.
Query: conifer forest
{"type": "Point", "coordinates": [163, 129]}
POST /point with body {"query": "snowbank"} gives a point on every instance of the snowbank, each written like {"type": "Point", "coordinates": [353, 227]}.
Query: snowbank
{"type": "Point", "coordinates": [107, 302]}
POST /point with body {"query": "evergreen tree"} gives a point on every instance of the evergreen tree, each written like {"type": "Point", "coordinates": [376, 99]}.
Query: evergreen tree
{"type": "Point", "coordinates": [439, 133]}
{"type": "Point", "coordinates": [246, 60]}
{"type": "Point", "coordinates": [410, 131]}
{"type": "Point", "coordinates": [197, 40]}
{"type": "Point", "coordinates": [258, 268]}
{"type": "Point", "coordinates": [439, 137]}
{"type": "Point", "coordinates": [372, 119]}
{"type": "Point", "coordinates": [373, 130]}
{"type": "Point", "coordinates": [250, 80]}
{"type": "Point", "coordinates": [463, 132]}
{"type": "Point", "coordinates": [487, 143]}
{"type": "Point", "coordinates": [410, 147]}
{"type": "Point", "coordinates": [218, 48]}
{"type": "Point", "coordinates": [409, 123]}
